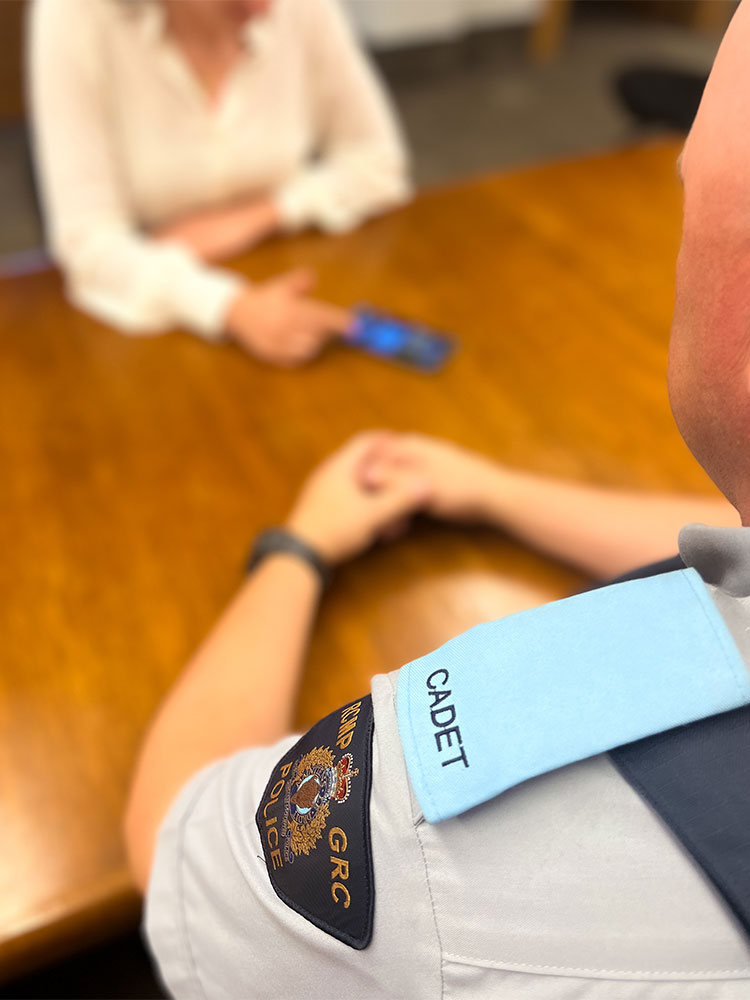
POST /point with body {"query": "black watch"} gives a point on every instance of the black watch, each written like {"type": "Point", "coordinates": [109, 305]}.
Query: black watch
{"type": "Point", "coordinates": [280, 540]}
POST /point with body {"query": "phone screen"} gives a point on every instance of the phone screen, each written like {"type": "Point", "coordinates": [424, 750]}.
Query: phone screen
{"type": "Point", "coordinates": [400, 340]}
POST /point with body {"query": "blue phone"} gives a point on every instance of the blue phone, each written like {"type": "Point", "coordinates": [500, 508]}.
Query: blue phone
{"type": "Point", "coordinates": [400, 340]}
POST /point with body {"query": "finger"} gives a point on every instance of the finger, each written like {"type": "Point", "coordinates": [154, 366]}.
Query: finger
{"type": "Point", "coordinates": [403, 495]}
{"type": "Point", "coordinates": [372, 471]}
{"type": "Point", "coordinates": [298, 357]}
{"type": "Point", "coordinates": [391, 457]}
{"type": "Point", "coordinates": [416, 451]}
{"type": "Point", "coordinates": [332, 321]}
{"type": "Point", "coordinates": [288, 360]}
{"type": "Point", "coordinates": [395, 530]}
{"type": "Point", "coordinates": [301, 281]}
{"type": "Point", "coordinates": [307, 341]}
{"type": "Point", "coordinates": [306, 347]}
{"type": "Point", "coordinates": [309, 337]}
{"type": "Point", "coordinates": [416, 444]}
{"type": "Point", "coordinates": [356, 443]}
{"type": "Point", "coordinates": [294, 351]}
{"type": "Point", "coordinates": [359, 446]}
{"type": "Point", "coordinates": [372, 474]}
{"type": "Point", "coordinates": [357, 452]}
{"type": "Point", "coordinates": [400, 452]}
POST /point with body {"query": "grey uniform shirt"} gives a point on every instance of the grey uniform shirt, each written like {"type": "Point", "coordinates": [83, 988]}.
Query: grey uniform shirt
{"type": "Point", "coordinates": [567, 886]}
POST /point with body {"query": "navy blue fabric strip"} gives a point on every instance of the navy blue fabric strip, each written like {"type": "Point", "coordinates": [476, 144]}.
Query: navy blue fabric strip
{"type": "Point", "coordinates": [653, 569]}
{"type": "Point", "coordinates": [697, 778]}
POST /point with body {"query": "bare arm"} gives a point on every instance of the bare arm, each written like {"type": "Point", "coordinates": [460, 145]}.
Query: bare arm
{"type": "Point", "coordinates": [603, 532]}
{"type": "Point", "coordinates": [240, 687]}
{"type": "Point", "coordinates": [238, 690]}
{"type": "Point", "coordinates": [217, 233]}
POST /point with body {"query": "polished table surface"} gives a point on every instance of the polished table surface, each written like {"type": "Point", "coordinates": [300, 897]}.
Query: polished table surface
{"type": "Point", "coordinates": [136, 470]}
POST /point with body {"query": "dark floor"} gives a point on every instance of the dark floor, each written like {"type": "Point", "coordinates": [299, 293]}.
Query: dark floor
{"type": "Point", "coordinates": [466, 108]}
{"type": "Point", "coordinates": [117, 971]}
{"type": "Point", "coordinates": [482, 106]}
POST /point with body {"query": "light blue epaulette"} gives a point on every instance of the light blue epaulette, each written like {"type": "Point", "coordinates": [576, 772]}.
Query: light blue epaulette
{"type": "Point", "coordinates": [520, 696]}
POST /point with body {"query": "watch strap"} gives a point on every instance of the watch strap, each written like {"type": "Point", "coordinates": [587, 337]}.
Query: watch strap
{"type": "Point", "coordinates": [280, 540]}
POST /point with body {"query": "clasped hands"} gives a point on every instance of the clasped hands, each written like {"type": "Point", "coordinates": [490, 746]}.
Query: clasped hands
{"type": "Point", "coordinates": [369, 488]}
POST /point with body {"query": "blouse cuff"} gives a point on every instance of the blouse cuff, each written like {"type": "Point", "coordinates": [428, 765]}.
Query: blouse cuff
{"type": "Point", "coordinates": [203, 300]}
{"type": "Point", "coordinates": [307, 199]}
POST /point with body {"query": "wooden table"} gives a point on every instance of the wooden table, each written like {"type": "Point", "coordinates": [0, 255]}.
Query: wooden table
{"type": "Point", "coordinates": [135, 472]}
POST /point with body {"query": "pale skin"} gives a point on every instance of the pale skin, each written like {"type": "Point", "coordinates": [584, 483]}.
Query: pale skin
{"type": "Point", "coordinates": [227, 684]}
{"type": "Point", "coordinates": [709, 351]}
{"type": "Point", "coordinates": [602, 532]}
{"type": "Point", "coordinates": [278, 321]}
{"type": "Point", "coordinates": [214, 234]}
{"type": "Point", "coordinates": [376, 481]}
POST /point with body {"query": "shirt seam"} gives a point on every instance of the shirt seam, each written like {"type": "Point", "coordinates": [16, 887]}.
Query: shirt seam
{"type": "Point", "coordinates": [181, 893]}
{"type": "Point", "coordinates": [547, 970]}
{"type": "Point", "coordinates": [415, 828]}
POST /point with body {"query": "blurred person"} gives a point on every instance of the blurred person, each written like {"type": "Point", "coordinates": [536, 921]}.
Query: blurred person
{"type": "Point", "coordinates": [375, 855]}
{"type": "Point", "coordinates": [172, 133]}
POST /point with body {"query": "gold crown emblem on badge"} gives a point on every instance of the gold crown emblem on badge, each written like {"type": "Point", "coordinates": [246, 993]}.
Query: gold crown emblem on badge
{"type": "Point", "coordinates": [343, 774]}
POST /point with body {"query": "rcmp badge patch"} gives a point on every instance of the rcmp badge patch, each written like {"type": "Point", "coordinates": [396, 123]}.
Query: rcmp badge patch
{"type": "Point", "coordinates": [314, 823]}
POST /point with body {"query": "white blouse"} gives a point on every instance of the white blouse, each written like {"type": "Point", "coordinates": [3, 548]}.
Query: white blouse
{"type": "Point", "coordinates": [126, 139]}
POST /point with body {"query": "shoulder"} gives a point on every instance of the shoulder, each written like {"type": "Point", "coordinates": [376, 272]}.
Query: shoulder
{"type": "Point", "coordinates": [69, 16]}
{"type": "Point", "coordinates": [522, 695]}
{"type": "Point", "coordinates": [322, 22]}
{"type": "Point", "coordinates": [76, 23]}
{"type": "Point", "coordinates": [454, 904]}
{"type": "Point", "coordinates": [69, 31]}
{"type": "Point", "coordinates": [298, 857]}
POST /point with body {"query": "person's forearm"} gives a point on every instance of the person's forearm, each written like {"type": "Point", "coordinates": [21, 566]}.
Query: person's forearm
{"type": "Point", "coordinates": [603, 532]}
{"type": "Point", "coordinates": [141, 288]}
{"type": "Point", "coordinates": [218, 233]}
{"type": "Point", "coordinates": [238, 691]}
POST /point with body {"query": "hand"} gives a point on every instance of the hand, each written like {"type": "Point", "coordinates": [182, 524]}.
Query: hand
{"type": "Point", "coordinates": [278, 322]}
{"type": "Point", "coordinates": [460, 482]}
{"type": "Point", "coordinates": [216, 233]}
{"type": "Point", "coordinates": [338, 516]}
